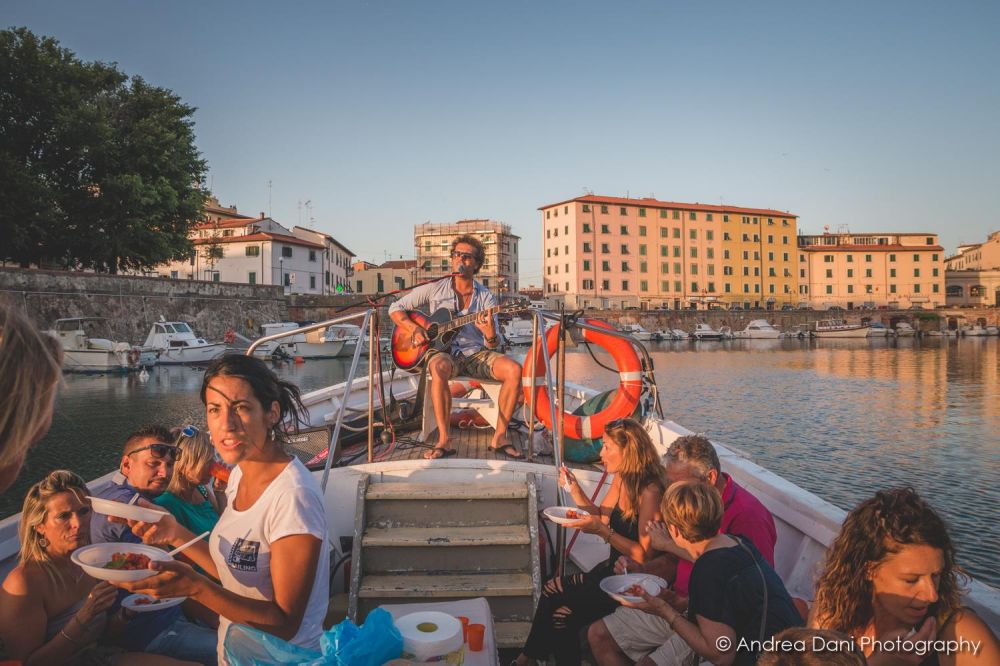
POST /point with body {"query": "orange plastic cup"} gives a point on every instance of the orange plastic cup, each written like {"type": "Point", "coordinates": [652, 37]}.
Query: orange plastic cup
{"type": "Point", "coordinates": [476, 634]}
{"type": "Point", "coordinates": [465, 627]}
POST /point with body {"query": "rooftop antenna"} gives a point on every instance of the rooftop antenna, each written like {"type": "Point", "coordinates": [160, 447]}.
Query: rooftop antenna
{"type": "Point", "coordinates": [309, 208]}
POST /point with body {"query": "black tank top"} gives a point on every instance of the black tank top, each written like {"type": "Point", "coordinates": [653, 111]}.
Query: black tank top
{"type": "Point", "coordinates": [627, 528]}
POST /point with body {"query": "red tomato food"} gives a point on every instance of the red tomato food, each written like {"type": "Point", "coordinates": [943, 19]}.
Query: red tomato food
{"type": "Point", "coordinates": [128, 561]}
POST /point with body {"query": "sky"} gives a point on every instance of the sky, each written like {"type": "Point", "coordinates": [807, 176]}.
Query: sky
{"type": "Point", "coordinates": [860, 116]}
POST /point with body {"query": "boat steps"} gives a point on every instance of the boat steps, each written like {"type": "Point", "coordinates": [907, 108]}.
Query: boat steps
{"type": "Point", "coordinates": [422, 542]}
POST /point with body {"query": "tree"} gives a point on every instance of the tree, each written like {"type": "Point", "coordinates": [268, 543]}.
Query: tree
{"type": "Point", "coordinates": [96, 170]}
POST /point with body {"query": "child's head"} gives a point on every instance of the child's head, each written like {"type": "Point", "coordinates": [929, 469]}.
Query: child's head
{"type": "Point", "coordinates": [194, 464]}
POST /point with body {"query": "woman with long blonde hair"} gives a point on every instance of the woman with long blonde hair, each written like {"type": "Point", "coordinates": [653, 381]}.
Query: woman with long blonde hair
{"type": "Point", "coordinates": [30, 370]}
{"type": "Point", "coordinates": [51, 611]}
{"type": "Point", "coordinates": [570, 603]}
{"type": "Point", "coordinates": [891, 573]}
{"type": "Point", "coordinates": [190, 496]}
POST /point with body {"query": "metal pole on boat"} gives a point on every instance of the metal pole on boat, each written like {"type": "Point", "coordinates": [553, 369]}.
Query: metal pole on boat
{"type": "Point", "coordinates": [373, 349]}
{"type": "Point", "coordinates": [531, 399]}
{"type": "Point", "coordinates": [560, 420]}
{"type": "Point", "coordinates": [348, 387]}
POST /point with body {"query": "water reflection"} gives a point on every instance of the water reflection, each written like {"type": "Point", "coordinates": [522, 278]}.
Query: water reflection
{"type": "Point", "coordinates": [841, 418]}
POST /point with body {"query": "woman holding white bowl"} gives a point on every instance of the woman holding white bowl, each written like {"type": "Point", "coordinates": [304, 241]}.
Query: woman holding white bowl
{"type": "Point", "coordinates": [268, 549]}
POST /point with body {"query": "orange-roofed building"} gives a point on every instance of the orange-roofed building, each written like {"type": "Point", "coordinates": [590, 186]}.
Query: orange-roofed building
{"type": "Point", "coordinates": [894, 270]}
{"type": "Point", "coordinates": [972, 274]}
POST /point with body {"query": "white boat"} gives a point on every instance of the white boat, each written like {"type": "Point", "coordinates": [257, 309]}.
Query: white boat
{"type": "Point", "coordinates": [636, 331]}
{"type": "Point", "coordinates": [314, 344]}
{"type": "Point", "coordinates": [877, 330]}
{"type": "Point", "coordinates": [517, 332]}
{"type": "Point", "coordinates": [84, 352]}
{"type": "Point", "coordinates": [679, 334]}
{"type": "Point", "coordinates": [904, 330]}
{"type": "Point", "coordinates": [759, 329]}
{"type": "Point", "coordinates": [725, 333]}
{"type": "Point", "coordinates": [398, 564]}
{"type": "Point", "coordinates": [976, 331]}
{"type": "Point", "coordinates": [993, 330]}
{"type": "Point", "coordinates": [177, 343]}
{"type": "Point", "coordinates": [839, 328]}
{"type": "Point", "coordinates": [936, 334]}
{"type": "Point", "coordinates": [705, 332]}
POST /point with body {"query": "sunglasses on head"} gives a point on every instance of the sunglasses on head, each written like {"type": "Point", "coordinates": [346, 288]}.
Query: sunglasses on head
{"type": "Point", "coordinates": [160, 450]}
{"type": "Point", "coordinates": [189, 431]}
{"type": "Point", "coordinates": [455, 254]}
{"type": "Point", "coordinates": [617, 423]}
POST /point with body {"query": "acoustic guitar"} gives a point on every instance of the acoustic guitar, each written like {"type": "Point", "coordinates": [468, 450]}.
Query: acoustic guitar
{"type": "Point", "coordinates": [441, 328]}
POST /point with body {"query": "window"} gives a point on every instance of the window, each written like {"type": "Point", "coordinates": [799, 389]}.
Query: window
{"type": "Point", "coordinates": [286, 251]}
{"type": "Point", "coordinates": [892, 257]}
{"type": "Point", "coordinates": [566, 249]}
{"type": "Point", "coordinates": [708, 218]}
{"type": "Point", "coordinates": [664, 267]}
{"type": "Point", "coordinates": [770, 272]}
{"type": "Point", "coordinates": [251, 277]}
{"type": "Point", "coordinates": [694, 286]}
{"type": "Point", "coordinates": [548, 215]}
{"type": "Point", "coordinates": [663, 232]}
{"type": "Point", "coordinates": [746, 288]}
{"type": "Point", "coordinates": [828, 258]}
{"type": "Point", "coordinates": [868, 272]}
{"type": "Point", "coordinates": [694, 253]}
{"type": "Point", "coordinates": [916, 272]}
{"type": "Point", "coordinates": [605, 284]}
{"type": "Point", "coordinates": [605, 265]}
{"type": "Point", "coordinates": [604, 210]}
{"type": "Point", "coordinates": [643, 267]}
{"type": "Point", "coordinates": [829, 288]}
{"type": "Point", "coordinates": [586, 265]}
{"type": "Point", "coordinates": [693, 234]}
{"type": "Point", "coordinates": [892, 272]}
{"type": "Point", "coordinates": [868, 258]}
{"type": "Point", "coordinates": [725, 254]}
{"type": "Point", "coordinates": [642, 230]}
{"type": "Point", "coordinates": [770, 256]}
{"type": "Point", "coordinates": [664, 285]}
{"type": "Point", "coordinates": [868, 289]}
{"type": "Point", "coordinates": [916, 289]}
{"type": "Point", "coordinates": [604, 229]}
{"type": "Point", "coordinates": [624, 285]}
{"type": "Point", "coordinates": [643, 285]}
{"type": "Point", "coordinates": [588, 284]}
{"type": "Point", "coordinates": [642, 250]}
{"type": "Point", "coordinates": [784, 240]}
{"type": "Point", "coordinates": [624, 249]}
{"type": "Point", "coordinates": [586, 227]}
{"type": "Point", "coordinates": [288, 280]}
{"type": "Point", "coordinates": [677, 285]}
{"type": "Point", "coordinates": [746, 271]}
{"type": "Point", "coordinates": [930, 240]}
{"type": "Point", "coordinates": [663, 250]}
{"type": "Point", "coordinates": [892, 289]}
{"type": "Point", "coordinates": [586, 208]}
{"type": "Point", "coordinates": [677, 216]}
{"type": "Point", "coordinates": [253, 250]}
{"type": "Point", "coordinates": [625, 266]}
{"type": "Point", "coordinates": [677, 250]}
{"type": "Point", "coordinates": [694, 269]}
{"type": "Point", "coordinates": [934, 272]}
{"type": "Point", "coordinates": [566, 230]}
{"type": "Point", "coordinates": [312, 281]}
{"type": "Point", "coordinates": [623, 211]}
{"type": "Point", "coordinates": [555, 232]}
{"type": "Point", "coordinates": [555, 213]}
{"type": "Point", "coordinates": [709, 235]}
{"type": "Point", "coordinates": [916, 258]}
{"type": "Point", "coordinates": [934, 257]}
{"type": "Point", "coordinates": [770, 238]}
{"type": "Point", "coordinates": [548, 252]}
{"type": "Point", "coordinates": [936, 288]}
{"type": "Point", "coordinates": [746, 255]}
{"type": "Point", "coordinates": [677, 232]}
{"type": "Point", "coordinates": [566, 210]}
{"type": "Point", "coordinates": [710, 253]}
{"type": "Point", "coordinates": [605, 248]}
{"type": "Point", "coordinates": [642, 212]}
{"type": "Point", "coordinates": [663, 214]}
{"type": "Point", "coordinates": [624, 230]}
{"type": "Point", "coordinates": [587, 247]}
{"type": "Point", "coordinates": [312, 255]}
{"type": "Point", "coordinates": [850, 289]}
{"type": "Point", "coordinates": [746, 238]}
{"type": "Point", "coordinates": [555, 252]}
{"type": "Point", "coordinates": [850, 272]}
{"type": "Point", "coordinates": [725, 218]}
{"type": "Point", "coordinates": [692, 216]}
{"type": "Point", "coordinates": [784, 256]}
{"type": "Point", "coordinates": [729, 288]}
{"type": "Point", "coordinates": [677, 267]}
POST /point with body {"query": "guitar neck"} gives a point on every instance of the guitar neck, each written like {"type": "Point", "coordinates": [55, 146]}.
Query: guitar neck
{"type": "Point", "coordinates": [459, 322]}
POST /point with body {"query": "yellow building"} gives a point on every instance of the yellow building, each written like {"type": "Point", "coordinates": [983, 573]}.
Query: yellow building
{"type": "Point", "coordinates": [613, 252]}
{"type": "Point", "coordinates": [499, 272]}
{"type": "Point", "coordinates": [872, 270]}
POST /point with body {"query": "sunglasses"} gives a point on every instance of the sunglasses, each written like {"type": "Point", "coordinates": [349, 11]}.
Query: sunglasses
{"type": "Point", "coordinates": [465, 256]}
{"type": "Point", "coordinates": [189, 431]}
{"type": "Point", "coordinates": [617, 423]}
{"type": "Point", "coordinates": [159, 450]}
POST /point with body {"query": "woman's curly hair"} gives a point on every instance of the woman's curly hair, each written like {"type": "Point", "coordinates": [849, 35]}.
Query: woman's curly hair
{"type": "Point", "coordinates": [874, 530]}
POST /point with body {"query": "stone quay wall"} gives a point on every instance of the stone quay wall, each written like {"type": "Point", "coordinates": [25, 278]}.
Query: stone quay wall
{"type": "Point", "coordinates": [131, 304]}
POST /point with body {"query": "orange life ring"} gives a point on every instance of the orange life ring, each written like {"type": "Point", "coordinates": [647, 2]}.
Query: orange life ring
{"type": "Point", "coordinates": [468, 418]}
{"type": "Point", "coordinates": [461, 388]}
{"type": "Point", "coordinates": [626, 398]}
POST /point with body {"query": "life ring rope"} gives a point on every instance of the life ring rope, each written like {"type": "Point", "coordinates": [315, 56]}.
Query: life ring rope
{"type": "Point", "coordinates": [625, 401]}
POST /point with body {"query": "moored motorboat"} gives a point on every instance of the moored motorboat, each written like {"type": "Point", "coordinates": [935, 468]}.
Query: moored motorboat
{"type": "Point", "coordinates": [312, 344]}
{"type": "Point", "coordinates": [839, 328]}
{"type": "Point", "coordinates": [176, 343]}
{"type": "Point", "coordinates": [904, 330]}
{"type": "Point", "coordinates": [759, 329]}
{"type": "Point", "coordinates": [83, 351]}
{"type": "Point", "coordinates": [703, 331]}
{"type": "Point", "coordinates": [878, 330]}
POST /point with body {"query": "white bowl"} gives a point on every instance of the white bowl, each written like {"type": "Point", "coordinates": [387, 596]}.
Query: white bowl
{"type": "Point", "coordinates": [615, 586]}
{"type": "Point", "coordinates": [557, 514]}
{"type": "Point", "coordinates": [92, 559]}
{"type": "Point", "coordinates": [131, 602]}
{"type": "Point", "coordinates": [126, 511]}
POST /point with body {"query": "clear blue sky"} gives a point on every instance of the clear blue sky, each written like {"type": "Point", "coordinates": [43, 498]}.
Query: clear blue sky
{"type": "Point", "coordinates": [879, 115]}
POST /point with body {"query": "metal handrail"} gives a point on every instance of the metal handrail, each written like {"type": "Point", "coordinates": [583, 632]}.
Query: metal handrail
{"type": "Point", "coordinates": [304, 329]}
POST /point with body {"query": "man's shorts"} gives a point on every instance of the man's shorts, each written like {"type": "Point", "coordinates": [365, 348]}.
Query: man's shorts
{"type": "Point", "coordinates": [478, 365]}
{"type": "Point", "coordinates": [640, 634]}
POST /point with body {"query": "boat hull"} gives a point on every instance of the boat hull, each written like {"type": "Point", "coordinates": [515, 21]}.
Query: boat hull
{"type": "Point", "coordinates": [192, 355]}
{"type": "Point", "coordinates": [97, 360]}
{"type": "Point", "coordinates": [854, 332]}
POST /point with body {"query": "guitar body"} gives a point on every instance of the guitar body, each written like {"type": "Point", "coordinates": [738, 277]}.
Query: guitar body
{"type": "Point", "coordinates": [405, 354]}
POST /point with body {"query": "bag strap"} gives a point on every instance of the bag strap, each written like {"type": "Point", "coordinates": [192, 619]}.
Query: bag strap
{"type": "Point", "coordinates": [763, 582]}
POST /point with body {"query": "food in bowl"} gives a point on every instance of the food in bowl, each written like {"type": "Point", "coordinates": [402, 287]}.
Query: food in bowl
{"type": "Point", "coordinates": [128, 561]}
{"type": "Point", "coordinates": [146, 601]}
{"type": "Point", "coordinates": [572, 514]}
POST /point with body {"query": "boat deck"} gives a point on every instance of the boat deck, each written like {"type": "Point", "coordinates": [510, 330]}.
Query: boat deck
{"type": "Point", "coordinates": [468, 442]}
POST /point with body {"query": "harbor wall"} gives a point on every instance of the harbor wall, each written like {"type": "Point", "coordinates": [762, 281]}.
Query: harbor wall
{"type": "Point", "coordinates": [132, 303]}
{"type": "Point", "coordinates": [924, 320]}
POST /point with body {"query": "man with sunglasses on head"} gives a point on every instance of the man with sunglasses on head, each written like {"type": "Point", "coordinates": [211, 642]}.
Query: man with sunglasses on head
{"type": "Point", "coordinates": [473, 350]}
{"type": "Point", "coordinates": [146, 464]}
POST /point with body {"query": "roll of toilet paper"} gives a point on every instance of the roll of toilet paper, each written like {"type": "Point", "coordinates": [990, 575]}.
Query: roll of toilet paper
{"type": "Point", "coordinates": [430, 635]}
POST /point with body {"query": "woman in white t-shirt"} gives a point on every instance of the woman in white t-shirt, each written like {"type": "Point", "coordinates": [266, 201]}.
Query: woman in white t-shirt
{"type": "Point", "coordinates": [269, 546]}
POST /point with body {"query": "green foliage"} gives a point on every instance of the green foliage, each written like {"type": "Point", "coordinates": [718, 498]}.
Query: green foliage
{"type": "Point", "coordinates": [96, 170]}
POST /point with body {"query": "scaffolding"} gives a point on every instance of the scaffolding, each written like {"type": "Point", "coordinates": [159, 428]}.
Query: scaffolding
{"type": "Point", "coordinates": [499, 271]}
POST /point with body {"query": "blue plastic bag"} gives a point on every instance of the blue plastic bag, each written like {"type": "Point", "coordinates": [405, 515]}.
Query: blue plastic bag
{"type": "Point", "coordinates": [372, 644]}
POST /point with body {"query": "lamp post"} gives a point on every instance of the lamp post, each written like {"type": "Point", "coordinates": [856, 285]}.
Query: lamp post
{"type": "Point", "coordinates": [281, 272]}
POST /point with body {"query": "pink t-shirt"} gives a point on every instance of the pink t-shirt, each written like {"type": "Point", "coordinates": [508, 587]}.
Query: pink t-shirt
{"type": "Point", "coordinates": [745, 516]}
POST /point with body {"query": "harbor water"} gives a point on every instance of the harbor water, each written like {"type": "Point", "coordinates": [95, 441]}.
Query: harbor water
{"type": "Point", "coordinates": [840, 418]}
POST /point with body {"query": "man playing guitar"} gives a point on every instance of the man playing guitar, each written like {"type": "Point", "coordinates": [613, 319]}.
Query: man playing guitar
{"type": "Point", "coordinates": [472, 349]}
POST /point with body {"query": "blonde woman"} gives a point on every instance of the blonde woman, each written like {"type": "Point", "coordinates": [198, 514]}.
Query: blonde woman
{"type": "Point", "coordinates": [51, 612]}
{"type": "Point", "coordinates": [570, 603]}
{"type": "Point", "coordinates": [189, 495]}
{"type": "Point", "coordinates": [30, 370]}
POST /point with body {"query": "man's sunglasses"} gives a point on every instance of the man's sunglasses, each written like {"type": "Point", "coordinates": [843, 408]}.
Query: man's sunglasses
{"type": "Point", "coordinates": [455, 254]}
{"type": "Point", "coordinates": [159, 450]}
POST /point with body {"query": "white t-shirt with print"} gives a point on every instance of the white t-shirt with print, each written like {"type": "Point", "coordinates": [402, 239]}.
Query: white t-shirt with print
{"type": "Point", "coordinates": [241, 545]}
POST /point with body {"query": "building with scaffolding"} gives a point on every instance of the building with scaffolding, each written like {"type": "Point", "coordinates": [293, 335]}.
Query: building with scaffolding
{"type": "Point", "coordinates": [499, 272]}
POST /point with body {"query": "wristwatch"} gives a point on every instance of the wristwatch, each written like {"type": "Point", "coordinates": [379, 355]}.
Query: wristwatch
{"type": "Point", "coordinates": [492, 341]}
